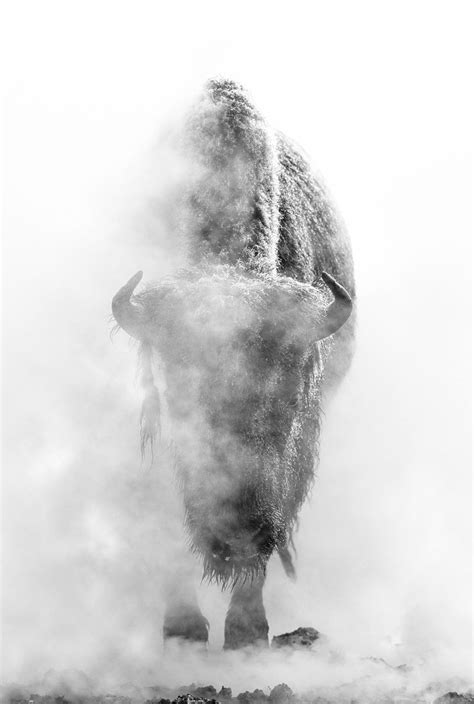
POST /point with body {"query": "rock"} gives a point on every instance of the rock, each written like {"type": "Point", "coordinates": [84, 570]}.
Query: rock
{"type": "Point", "coordinates": [281, 693]}
{"type": "Point", "coordinates": [303, 637]}
{"type": "Point", "coordinates": [255, 697]}
{"type": "Point", "coordinates": [378, 661]}
{"type": "Point", "coordinates": [191, 699]}
{"type": "Point", "coordinates": [225, 693]}
{"type": "Point", "coordinates": [207, 692]}
{"type": "Point", "coordinates": [455, 698]}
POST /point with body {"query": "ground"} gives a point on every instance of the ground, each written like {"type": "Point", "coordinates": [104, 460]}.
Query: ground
{"type": "Point", "coordinates": [378, 682]}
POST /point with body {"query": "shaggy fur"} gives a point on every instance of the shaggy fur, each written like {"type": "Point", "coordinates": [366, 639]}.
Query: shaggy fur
{"type": "Point", "coordinates": [244, 385]}
{"type": "Point", "coordinates": [237, 336]}
{"type": "Point", "coordinates": [231, 208]}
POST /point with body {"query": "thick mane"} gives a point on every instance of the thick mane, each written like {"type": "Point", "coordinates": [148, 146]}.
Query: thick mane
{"type": "Point", "coordinates": [312, 238]}
{"type": "Point", "coordinates": [254, 199]}
{"type": "Point", "coordinates": [232, 203]}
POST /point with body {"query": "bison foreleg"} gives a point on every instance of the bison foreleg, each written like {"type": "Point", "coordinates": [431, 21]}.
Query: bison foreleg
{"type": "Point", "coordinates": [246, 623]}
{"type": "Point", "coordinates": [183, 617]}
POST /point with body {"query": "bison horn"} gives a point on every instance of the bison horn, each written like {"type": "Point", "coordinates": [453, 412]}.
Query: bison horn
{"type": "Point", "coordinates": [339, 310]}
{"type": "Point", "coordinates": [127, 314]}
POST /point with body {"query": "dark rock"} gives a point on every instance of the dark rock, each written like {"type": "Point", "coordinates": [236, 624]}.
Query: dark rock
{"type": "Point", "coordinates": [378, 661]}
{"type": "Point", "coordinates": [208, 692]}
{"type": "Point", "coordinates": [255, 697]}
{"type": "Point", "coordinates": [191, 699]}
{"type": "Point", "coordinates": [281, 693]}
{"type": "Point", "coordinates": [225, 693]}
{"type": "Point", "coordinates": [455, 698]}
{"type": "Point", "coordinates": [402, 669]}
{"type": "Point", "coordinates": [301, 638]}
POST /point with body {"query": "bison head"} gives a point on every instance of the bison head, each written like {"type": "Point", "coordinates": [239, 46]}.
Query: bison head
{"type": "Point", "coordinates": [243, 371]}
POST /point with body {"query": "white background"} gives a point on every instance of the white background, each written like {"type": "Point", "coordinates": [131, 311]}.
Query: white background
{"type": "Point", "coordinates": [379, 95]}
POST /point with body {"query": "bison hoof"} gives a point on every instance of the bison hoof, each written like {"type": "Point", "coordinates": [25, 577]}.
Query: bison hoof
{"type": "Point", "coordinates": [242, 631]}
{"type": "Point", "coordinates": [186, 622]}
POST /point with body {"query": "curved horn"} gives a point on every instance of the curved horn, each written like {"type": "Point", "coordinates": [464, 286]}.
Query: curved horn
{"type": "Point", "coordinates": [339, 310]}
{"type": "Point", "coordinates": [127, 314]}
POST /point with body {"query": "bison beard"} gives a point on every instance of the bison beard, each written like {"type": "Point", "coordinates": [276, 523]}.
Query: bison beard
{"type": "Point", "coordinates": [248, 335]}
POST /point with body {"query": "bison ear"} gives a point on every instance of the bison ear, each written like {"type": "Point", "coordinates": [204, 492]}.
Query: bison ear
{"type": "Point", "coordinates": [339, 310]}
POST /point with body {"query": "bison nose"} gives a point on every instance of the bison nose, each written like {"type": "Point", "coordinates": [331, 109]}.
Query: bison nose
{"type": "Point", "coordinates": [221, 550]}
{"type": "Point", "coordinates": [237, 546]}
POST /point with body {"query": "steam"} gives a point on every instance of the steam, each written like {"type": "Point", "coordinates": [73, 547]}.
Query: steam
{"type": "Point", "coordinates": [90, 533]}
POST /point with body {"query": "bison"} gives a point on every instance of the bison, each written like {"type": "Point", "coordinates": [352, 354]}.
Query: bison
{"type": "Point", "coordinates": [249, 334]}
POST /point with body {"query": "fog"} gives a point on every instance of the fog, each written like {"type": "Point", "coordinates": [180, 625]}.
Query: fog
{"type": "Point", "coordinates": [377, 97]}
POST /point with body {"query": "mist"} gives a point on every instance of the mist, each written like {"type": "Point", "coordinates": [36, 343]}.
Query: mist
{"type": "Point", "coordinates": [376, 96]}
